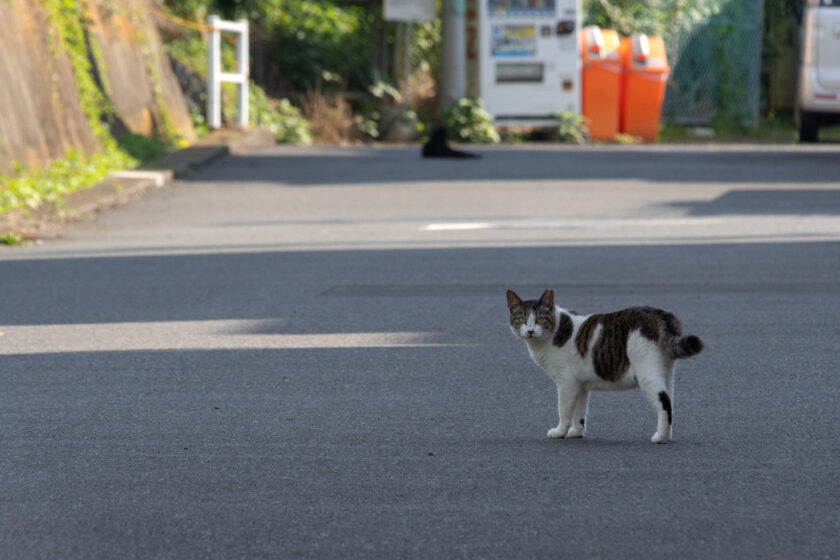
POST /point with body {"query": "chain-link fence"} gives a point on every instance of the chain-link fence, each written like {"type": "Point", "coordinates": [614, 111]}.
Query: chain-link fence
{"type": "Point", "coordinates": [714, 49]}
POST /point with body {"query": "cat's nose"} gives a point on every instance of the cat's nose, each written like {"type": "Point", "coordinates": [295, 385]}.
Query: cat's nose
{"type": "Point", "coordinates": [531, 332]}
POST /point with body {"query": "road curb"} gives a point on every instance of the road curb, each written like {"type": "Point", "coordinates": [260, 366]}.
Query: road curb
{"type": "Point", "coordinates": [125, 186]}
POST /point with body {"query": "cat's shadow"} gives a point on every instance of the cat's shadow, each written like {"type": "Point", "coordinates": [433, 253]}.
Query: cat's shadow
{"type": "Point", "coordinates": [591, 443]}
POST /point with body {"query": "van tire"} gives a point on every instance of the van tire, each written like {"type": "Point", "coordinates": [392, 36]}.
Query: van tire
{"type": "Point", "coordinates": [808, 126]}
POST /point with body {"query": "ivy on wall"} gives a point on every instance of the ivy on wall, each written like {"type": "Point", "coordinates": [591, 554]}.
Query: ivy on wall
{"type": "Point", "coordinates": [67, 23]}
{"type": "Point", "coordinates": [65, 20]}
{"type": "Point", "coordinates": [150, 58]}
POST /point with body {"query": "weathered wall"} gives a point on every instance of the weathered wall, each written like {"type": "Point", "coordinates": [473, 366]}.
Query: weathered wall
{"type": "Point", "coordinates": [40, 112]}
{"type": "Point", "coordinates": [133, 73]}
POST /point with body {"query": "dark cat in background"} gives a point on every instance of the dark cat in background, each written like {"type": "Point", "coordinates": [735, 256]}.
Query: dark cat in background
{"type": "Point", "coordinates": [437, 146]}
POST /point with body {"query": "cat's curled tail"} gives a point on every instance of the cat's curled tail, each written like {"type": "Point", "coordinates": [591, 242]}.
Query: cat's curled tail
{"type": "Point", "coordinates": [684, 346]}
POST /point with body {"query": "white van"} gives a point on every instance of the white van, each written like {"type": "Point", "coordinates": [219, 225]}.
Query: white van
{"type": "Point", "coordinates": [818, 93]}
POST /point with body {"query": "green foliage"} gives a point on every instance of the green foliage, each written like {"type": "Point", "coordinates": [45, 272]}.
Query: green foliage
{"type": "Point", "coordinates": [386, 113]}
{"type": "Point", "coordinates": [426, 46]}
{"type": "Point", "coordinates": [167, 130]}
{"type": "Point", "coordinates": [189, 9]}
{"type": "Point", "coordinates": [773, 128]}
{"type": "Point", "coordinates": [66, 20]}
{"type": "Point", "coordinates": [192, 53]}
{"type": "Point", "coordinates": [29, 188]}
{"type": "Point", "coordinates": [281, 117]}
{"type": "Point", "coordinates": [731, 116]}
{"type": "Point", "coordinates": [300, 40]}
{"type": "Point", "coordinates": [141, 148]}
{"type": "Point", "coordinates": [784, 8]}
{"type": "Point", "coordinates": [571, 128]}
{"type": "Point", "coordinates": [307, 39]}
{"type": "Point", "coordinates": [467, 121]}
{"type": "Point", "coordinates": [11, 238]}
{"type": "Point", "coordinates": [384, 97]}
{"type": "Point", "coordinates": [653, 17]}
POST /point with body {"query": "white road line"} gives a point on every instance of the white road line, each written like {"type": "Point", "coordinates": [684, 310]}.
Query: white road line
{"type": "Point", "coordinates": [459, 226]}
{"type": "Point", "coordinates": [572, 224]}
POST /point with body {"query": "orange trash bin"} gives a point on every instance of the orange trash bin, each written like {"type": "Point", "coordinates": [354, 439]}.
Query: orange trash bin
{"type": "Point", "coordinates": [601, 82]}
{"type": "Point", "coordinates": [645, 75]}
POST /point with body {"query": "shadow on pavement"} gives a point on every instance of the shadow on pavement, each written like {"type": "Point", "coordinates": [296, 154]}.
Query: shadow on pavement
{"type": "Point", "coordinates": [800, 202]}
{"type": "Point", "coordinates": [298, 167]}
{"type": "Point", "coordinates": [333, 291]}
{"type": "Point", "coordinates": [376, 290]}
{"type": "Point", "coordinates": [418, 451]}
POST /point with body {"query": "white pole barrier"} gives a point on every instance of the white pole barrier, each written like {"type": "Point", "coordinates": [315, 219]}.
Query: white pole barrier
{"type": "Point", "coordinates": [215, 76]}
{"type": "Point", "coordinates": [214, 68]}
{"type": "Point", "coordinates": [242, 62]}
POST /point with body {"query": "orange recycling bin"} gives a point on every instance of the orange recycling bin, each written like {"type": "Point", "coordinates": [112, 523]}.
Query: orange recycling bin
{"type": "Point", "coordinates": [601, 82]}
{"type": "Point", "coordinates": [645, 74]}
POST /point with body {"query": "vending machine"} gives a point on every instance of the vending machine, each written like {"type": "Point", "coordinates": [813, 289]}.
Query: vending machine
{"type": "Point", "coordinates": [529, 60]}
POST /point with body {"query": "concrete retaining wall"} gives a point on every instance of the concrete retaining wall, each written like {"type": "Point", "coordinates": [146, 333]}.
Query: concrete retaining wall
{"type": "Point", "coordinates": [40, 114]}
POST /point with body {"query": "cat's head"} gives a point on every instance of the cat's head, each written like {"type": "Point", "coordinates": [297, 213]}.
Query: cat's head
{"type": "Point", "coordinates": [532, 319]}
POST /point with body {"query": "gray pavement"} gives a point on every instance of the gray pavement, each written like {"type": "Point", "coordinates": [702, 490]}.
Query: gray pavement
{"type": "Point", "coordinates": [303, 353]}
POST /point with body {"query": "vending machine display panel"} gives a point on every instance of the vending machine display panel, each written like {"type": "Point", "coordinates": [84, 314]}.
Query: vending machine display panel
{"type": "Point", "coordinates": [529, 61]}
{"type": "Point", "coordinates": [526, 8]}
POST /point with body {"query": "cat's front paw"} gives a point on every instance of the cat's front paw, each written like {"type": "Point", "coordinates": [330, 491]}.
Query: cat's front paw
{"type": "Point", "coordinates": [575, 433]}
{"type": "Point", "coordinates": [556, 433]}
{"type": "Point", "coordinates": [660, 438]}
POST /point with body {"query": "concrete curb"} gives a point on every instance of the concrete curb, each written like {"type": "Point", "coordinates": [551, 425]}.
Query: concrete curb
{"type": "Point", "coordinates": [122, 187]}
{"type": "Point", "coordinates": [219, 144]}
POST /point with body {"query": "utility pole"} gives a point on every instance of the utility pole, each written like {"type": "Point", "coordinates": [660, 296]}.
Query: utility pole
{"type": "Point", "coordinates": [453, 82]}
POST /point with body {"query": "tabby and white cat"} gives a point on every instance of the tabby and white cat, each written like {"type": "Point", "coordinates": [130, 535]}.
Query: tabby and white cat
{"type": "Point", "coordinates": [634, 347]}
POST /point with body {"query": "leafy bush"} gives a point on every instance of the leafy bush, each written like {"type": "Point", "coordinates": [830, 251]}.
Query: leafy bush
{"type": "Point", "coordinates": [304, 39]}
{"type": "Point", "coordinates": [571, 128]}
{"type": "Point", "coordinates": [386, 114]}
{"type": "Point", "coordinates": [12, 238]}
{"type": "Point", "coordinates": [281, 117]}
{"type": "Point", "coordinates": [467, 121]}
{"type": "Point", "coordinates": [192, 53]}
{"type": "Point", "coordinates": [141, 148]}
{"type": "Point", "coordinates": [296, 41]}
{"type": "Point", "coordinates": [654, 17]}
{"type": "Point", "coordinates": [330, 117]}
{"type": "Point", "coordinates": [28, 188]}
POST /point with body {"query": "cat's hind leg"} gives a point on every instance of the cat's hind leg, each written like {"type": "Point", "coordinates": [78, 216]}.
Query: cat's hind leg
{"type": "Point", "coordinates": [669, 386]}
{"type": "Point", "coordinates": [579, 415]}
{"type": "Point", "coordinates": [567, 394]}
{"type": "Point", "coordinates": [653, 381]}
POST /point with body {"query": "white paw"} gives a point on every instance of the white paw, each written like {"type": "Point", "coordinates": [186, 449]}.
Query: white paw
{"type": "Point", "coordinates": [575, 434]}
{"type": "Point", "coordinates": [660, 438]}
{"type": "Point", "coordinates": [556, 433]}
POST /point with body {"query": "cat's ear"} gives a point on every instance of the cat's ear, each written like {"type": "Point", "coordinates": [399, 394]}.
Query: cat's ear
{"type": "Point", "coordinates": [513, 299]}
{"type": "Point", "coordinates": [547, 299]}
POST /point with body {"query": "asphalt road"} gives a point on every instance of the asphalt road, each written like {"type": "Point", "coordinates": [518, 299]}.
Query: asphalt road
{"type": "Point", "coordinates": [303, 353]}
